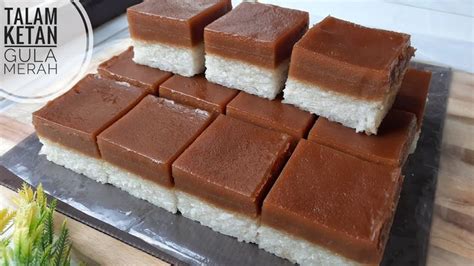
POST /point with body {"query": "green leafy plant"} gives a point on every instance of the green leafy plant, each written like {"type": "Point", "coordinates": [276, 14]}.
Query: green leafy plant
{"type": "Point", "coordinates": [27, 234]}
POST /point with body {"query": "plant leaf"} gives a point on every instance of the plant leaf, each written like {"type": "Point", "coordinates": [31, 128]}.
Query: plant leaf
{"type": "Point", "coordinates": [61, 245]}
{"type": "Point", "coordinates": [32, 241]}
{"type": "Point", "coordinates": [5, 218]}
{"type": "Point", "coordinates": [47, 238]}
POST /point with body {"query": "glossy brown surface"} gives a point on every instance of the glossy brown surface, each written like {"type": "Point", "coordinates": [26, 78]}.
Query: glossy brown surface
{"type": "Point", "coordinates": [413, 93]}
{"type": "Point", "coordinates": [232, 164]}
{"type": "Point", "coordinates": [172, 22]}
{"type": "Point", "coordinates": [151, 136]}
{"type": "Point", "coordinates": [390, 146]}
{"type": "Point", "coordinates": [260, 34]}
{"type": "Point", "coordinates": [78, 116]}
{"type": "Point", "coordinates": [334, 200]}
{"type": "Point", "coordinates": [198, 92]}
{"type": "Point", "coordinates": [346, 58]}
{"type": "Point", "coordinates": [271, 114]}
{"type": "Point", "coordinates": [122, 68]}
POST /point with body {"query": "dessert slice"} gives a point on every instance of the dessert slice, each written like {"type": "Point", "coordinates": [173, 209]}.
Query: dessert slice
{"type": "Point", "coordinates": [272, 114]}
{"type": "Point", "coordinates": [329, 208]}
{"type": "Point", "coordinates": [198, 92]}
{"type": "Point", "coordinates": [122, 68]}
{"type": "Point", "coordinates": [169, 34]}
{"type": "Point", "coordinates": [68, 126]}
{"type": "Point", "coordinates": [250, 47]}
{"type": "Point", "coordinates": [412, 97]}
{"type": "Point", "coordinates": [139, 149]}
{"type": "Point", "coordinates": [348, 73]}
{"type": "Point", "coordinates": [390, 146]}
{"type": "Point", "coordinates": [222, 178]}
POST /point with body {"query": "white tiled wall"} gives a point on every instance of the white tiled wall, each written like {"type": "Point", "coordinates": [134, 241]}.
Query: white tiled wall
{"type": "Point", "coordinates": [442, 30]}
{"type": "Point", "coordinates": [460, 7]}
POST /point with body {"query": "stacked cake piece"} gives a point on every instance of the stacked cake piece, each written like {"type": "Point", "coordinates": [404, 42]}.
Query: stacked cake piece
{"type": "Point", "coordinates": [412, 98]}
{"type": "Point", "coordinates": [122, 68]}
{"type": "Point", "coordinates": [139, 149]}
{"type": "Point", "coordinates": [68, 126]}
{"type": "Point", "coordinates": [272, 115]}
{"type": "Point", "coordinates": [226, 150]}
{"type": "Point", "coordinates": [169, 34]}
{"type": "Point", "coordinates": [224, 189]}
{"type": "Point", "coordinates": [390, 146]}
{"type": "Point", "coordinates": [348, 73]}
{"type": "Point", "coordinates": [329, 208]}
{"type": "Point", "coordinates": [249, 48]}
{"type": "Point", "coordinates": [197, 91]}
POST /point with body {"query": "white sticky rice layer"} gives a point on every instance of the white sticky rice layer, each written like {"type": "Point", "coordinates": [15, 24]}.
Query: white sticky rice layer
{"type": "Point", "coordinates": [351, 112]}
{"type": "Point", "coordinates": [230, 223]}
{"type": "Point", "coordinates": [253, 79]}
{"type": "Point", "coordinates": [104, 172]}
{"type": "Point", "coordinates": [76, 161]}
{"type": "Point", "coordinates": [297, 250]}
{"type": "Point", "coordinates": [179, 60]}
{"type": "Point", "coordinates": [220, 220]}
{"type": "Point", "coordinates": [141, 188]}
{"type": "Point", "coordinates": [415, 141]}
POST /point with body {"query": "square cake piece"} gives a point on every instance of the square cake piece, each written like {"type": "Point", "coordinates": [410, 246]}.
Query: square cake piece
{"type": "Point", "coordinates": [272, 114]}
{"type": "Point", "coordinates": [122, 68]}
{"type": "Point", "coordinates": [348, 73]}
{"type": "Point", "coordinates": [168, 34]}
{"type": "Point", "coordinates": [198, 92]}
{"type": "Point", "coordinates": [140, 147]}
{"type": "Point", "coordinates": [250, 47]}
{"type": "Point", "coordinates": [68, 125]}
{"type": "Point", "coordinates": [412, 97]}
{"type": "Point", "coordinates": [329, 208]}
{"type": "Point", "coordinates": [222, 178]}
{"type": "Point", "coordinates": [390, 146]}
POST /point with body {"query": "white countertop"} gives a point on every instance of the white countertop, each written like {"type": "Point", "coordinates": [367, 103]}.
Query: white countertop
{"type": "Point", "coordinates": [442, 30]}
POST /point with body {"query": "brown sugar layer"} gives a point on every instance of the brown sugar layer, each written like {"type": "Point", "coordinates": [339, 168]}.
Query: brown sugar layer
{"type": "Point", "coordinates": [413, 93]}
{"type": "Point", "coordinates": [179, 23]}
{"type": "Point", "coordinates": [390, 146]}
{"type": "Point", "coordinates": [151, 136]}
{"type": "Point", "coordinates": [259, 34]}
{"type": "Point", "coordinates": [122, 68]}
{"type": "Point", "coordinates": [334, 200]}
{"type": "Point", "coordinates": [238, 163]}
{"type": "Point", "coordinates": [271, 114]}
{"type": "Point", "coordinates": [76, 118]}
{"type": "Point", "coordinates": [350, 59]}
{"type": "Point", "coordinates": [197, 92]}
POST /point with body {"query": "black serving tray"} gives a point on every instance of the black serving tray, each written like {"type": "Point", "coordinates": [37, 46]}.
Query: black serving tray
{"type": "Point", "coordinates": [176, 239]}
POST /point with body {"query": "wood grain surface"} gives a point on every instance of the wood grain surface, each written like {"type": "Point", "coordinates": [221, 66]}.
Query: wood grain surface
{"type": "Point", "coordinates": [452, 233]}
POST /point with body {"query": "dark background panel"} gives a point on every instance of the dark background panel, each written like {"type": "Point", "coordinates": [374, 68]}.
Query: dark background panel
{"type": "Point", "coordinates": [101, 11]}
